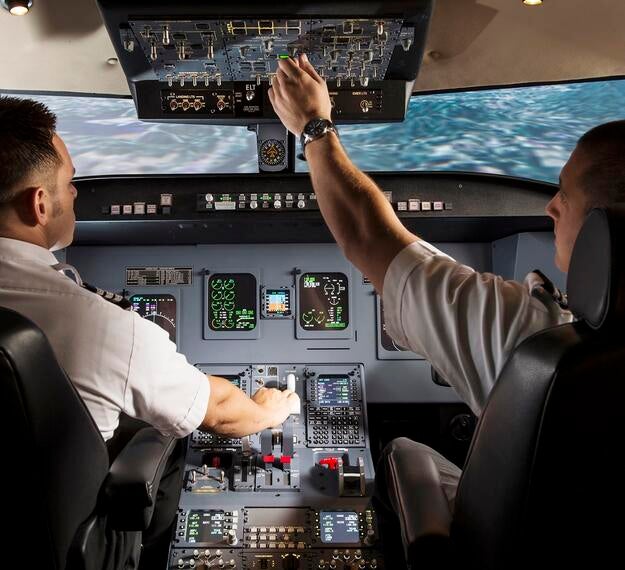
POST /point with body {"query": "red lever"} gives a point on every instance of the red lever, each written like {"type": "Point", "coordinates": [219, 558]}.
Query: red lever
{"type": "Point", "coordinates": [268, 458]}
{"type": "Point", "coordinates": [285, 459]}
{"type": "Point", "coordinates": [331, 463]}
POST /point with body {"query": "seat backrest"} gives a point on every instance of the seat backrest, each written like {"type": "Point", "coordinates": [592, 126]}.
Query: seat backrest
{"type": "Point", "coordinates": [540, 483]}
{"type": "Point", "coordinates": [54, 458]}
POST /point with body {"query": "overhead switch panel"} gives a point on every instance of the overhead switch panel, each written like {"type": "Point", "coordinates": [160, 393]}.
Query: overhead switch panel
{"type": "Point", "coordinates": [197, 62]}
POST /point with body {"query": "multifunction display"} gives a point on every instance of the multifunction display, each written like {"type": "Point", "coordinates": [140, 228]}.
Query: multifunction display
{"type": "Point", "coordinates": [334, 390]}
{"type": "Point", "coordinates": [205, 527]}
{"type": "Point", "coordinates": [323, 301]}
{"type": "Point", "coordinates": [232, 302]}
{"type": "Point", "coordinates": [160, 309]}
{"type": "Point", "coordinates": [339, 527]}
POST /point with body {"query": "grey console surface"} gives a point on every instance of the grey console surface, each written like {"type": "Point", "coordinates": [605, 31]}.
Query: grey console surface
{"type": "Point", "coordinates": [297, 496]}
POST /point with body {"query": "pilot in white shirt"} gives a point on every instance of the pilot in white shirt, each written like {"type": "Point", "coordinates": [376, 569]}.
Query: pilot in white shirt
{"type": "Point", "coordinates": [118, 361]}
{"type": "Point", "coordinates": [465, 323]}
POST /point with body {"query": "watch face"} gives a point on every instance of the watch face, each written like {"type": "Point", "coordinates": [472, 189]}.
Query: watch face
{"type": "Point", "coordinates": [316, 127]}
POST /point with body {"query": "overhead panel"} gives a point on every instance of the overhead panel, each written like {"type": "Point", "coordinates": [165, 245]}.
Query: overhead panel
{"type": "Point", "coordinates": [199, 62]}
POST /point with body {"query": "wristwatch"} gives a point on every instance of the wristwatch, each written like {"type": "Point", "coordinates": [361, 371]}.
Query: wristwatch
{"type": "Point", "coordinates": [315, 129]}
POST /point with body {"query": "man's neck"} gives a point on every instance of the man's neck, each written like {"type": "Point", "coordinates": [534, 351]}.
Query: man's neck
{"type": "Point", "coordinates": [29, 235]}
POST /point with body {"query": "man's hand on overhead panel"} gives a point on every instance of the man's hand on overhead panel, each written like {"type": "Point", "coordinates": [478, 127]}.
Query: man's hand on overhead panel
{"type": "Point", "coordinates": [299, 94]}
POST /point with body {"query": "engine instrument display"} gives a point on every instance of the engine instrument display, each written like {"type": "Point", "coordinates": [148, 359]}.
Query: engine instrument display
{"type": "Point", "coordinates": [334, 390]}
{"type": "Point", "coordinates": [232, 302]}
{"type": "Point", "coordinates": [160, 309]}
{"type": "Point", "coordinates": [323, 301]}
{"type": "Point", "coordinates": [205, 527]}
{"type": "Point", "coordinates": [339, 527]}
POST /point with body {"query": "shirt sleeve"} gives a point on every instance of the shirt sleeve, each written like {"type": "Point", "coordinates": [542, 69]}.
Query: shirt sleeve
{"type": "Point", "coordinates": [465, 323]}
{"type": "Point", "coordinates": [163, 389]}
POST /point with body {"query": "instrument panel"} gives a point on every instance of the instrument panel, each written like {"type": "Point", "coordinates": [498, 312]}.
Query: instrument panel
{"type": "Point", "coordinates": [232, 301]}
{"type": "Point", "coordinates": [158, 308]}
{"type": "Point", "coordinates": [206, 62]}
{"type": "Point", "coordinates": [296, 496]}
{"type": "Point", "coordinates": [324, 301]}
{"type": "Point", "coordinates": [318, 302]}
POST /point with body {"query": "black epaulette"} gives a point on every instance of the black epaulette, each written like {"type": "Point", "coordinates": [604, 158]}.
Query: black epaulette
{"type": "Point", "coordinates": [552, 290]}
{"type": "Point", "coordinates": [71, 273]}
{"type": "Point", "coordinates": [114, 298]}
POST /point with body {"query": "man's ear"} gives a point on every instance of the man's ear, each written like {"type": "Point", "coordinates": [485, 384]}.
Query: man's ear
{"type": "Point", "coordinates": [35, 208]}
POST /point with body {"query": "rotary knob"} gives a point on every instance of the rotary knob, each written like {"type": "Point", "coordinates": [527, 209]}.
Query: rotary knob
{"type": "Point", "coordinates": [232, 537]}
{"type": "Point", "coordinates": [209, 197]}
{"type": "Point", "coordinates": [301, 204]}
{"type": "Point", "coordinates": [253, 204]}
{"type": "Point", "coordinates": [277, 204]}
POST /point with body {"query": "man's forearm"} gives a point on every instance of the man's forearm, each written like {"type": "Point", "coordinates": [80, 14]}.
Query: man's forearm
{"type": "Point", "coordinates": [230, 412]}
{"type": "Point", "coordinates": [358, 214]}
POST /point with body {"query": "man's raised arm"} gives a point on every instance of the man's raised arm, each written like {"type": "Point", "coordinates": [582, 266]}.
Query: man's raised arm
{"type": "Point", "coordinates": [360, 218]}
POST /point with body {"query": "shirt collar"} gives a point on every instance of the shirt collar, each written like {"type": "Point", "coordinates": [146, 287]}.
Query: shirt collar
{"type": "Point", "coordinates": [25, 251]}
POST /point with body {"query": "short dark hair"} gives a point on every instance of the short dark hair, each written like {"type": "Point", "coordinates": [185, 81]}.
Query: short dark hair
{"type": "Point", "coordinates": [604, 180]}
{"type": "Point", "coordinates": [26, 131]}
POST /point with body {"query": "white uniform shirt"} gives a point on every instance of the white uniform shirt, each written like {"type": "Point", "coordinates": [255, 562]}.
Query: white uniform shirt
{"type": "Point", "coordinates": [118, 361]}
{"type": "Point", "coordinates": [465, 323]}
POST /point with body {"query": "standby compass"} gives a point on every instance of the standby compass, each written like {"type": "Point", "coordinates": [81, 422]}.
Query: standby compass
{"type": "Point", "coordinates": [272, 152]}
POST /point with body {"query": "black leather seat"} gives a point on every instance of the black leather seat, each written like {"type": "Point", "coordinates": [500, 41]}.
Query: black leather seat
{"type": "Point", "coordinates": [64, 507]}
{"type": "Point", "coordinates": [541, 484]}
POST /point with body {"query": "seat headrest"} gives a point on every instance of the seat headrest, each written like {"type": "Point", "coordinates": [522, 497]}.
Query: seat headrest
{"type": "Point", "coordinates": [596, 279]}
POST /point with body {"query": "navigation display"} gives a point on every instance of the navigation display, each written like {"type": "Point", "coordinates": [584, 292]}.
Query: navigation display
{"type": "Point", "coordinates": [334, 390]}
{"type": "Point", "coordinates": [205, 526]}
{"type": "Point", "coordinates": [339, 527]}
{"type": "Point", "coordinates": [232, 302]}
{"type": "Point", "coordinates": [323, 301]}
{"type": "Point", "coordinates": [160, 309]}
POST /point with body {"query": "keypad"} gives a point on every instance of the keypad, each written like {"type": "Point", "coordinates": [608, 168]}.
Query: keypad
{"type": "Point", "coordinates": [293, 537]}
{"type": "Point", "coordinates": [335, 425]}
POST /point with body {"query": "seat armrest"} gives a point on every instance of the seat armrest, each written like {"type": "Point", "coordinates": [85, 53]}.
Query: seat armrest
{"type": "Point", "coordinates": [129, 491]}
{"type": "Point", "coordinates": [416, 496]}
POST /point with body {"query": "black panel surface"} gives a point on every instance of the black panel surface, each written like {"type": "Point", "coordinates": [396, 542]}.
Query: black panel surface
{"type": "Point", "coordinates": [279, 208]}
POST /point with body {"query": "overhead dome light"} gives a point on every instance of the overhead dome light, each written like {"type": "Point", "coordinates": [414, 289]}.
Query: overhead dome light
{"type": "Point", "coordinates": [532, 2]}
{"type": "Point", "coordinates": [17, 7]}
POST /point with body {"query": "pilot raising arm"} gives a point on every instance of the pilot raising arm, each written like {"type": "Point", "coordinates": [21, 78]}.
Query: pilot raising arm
{"type": "Point", "coordinates": [465, 323]}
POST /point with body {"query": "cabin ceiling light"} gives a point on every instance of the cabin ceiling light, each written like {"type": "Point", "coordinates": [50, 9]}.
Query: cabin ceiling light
{"type": "Point", "coordinates": [532, 2]}
{"type": "Point", "coordinates": [17, 7]}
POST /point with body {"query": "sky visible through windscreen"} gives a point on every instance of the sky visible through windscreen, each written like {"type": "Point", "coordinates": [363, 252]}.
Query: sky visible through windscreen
{"type": "Point", "coordinates": [527, 132]}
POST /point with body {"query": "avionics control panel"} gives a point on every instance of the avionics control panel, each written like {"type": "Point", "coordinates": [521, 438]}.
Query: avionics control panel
{"type": "Point", "coordinates": [208, 62]}
{"type": "Point", "coordinates": [294, 497]}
